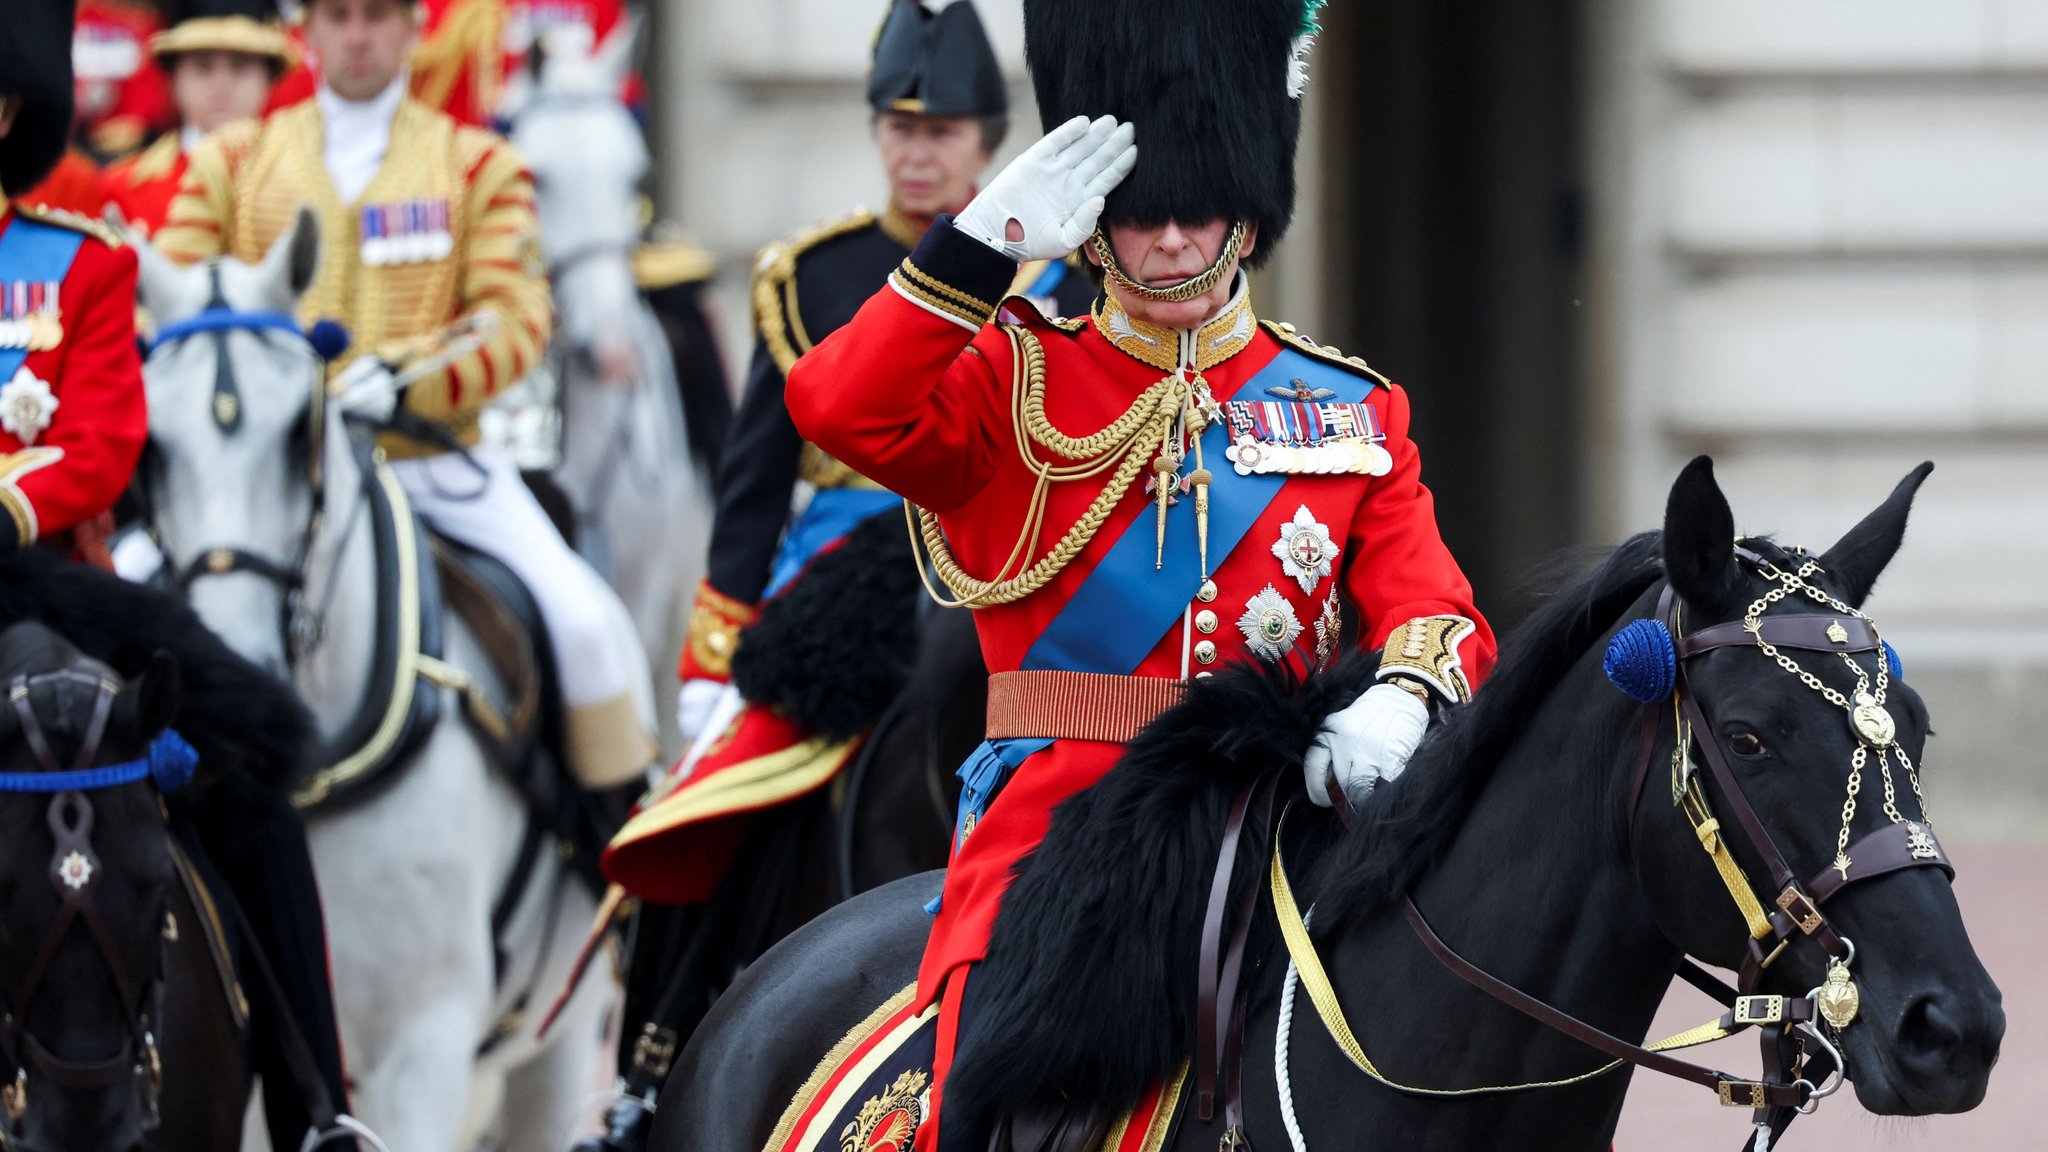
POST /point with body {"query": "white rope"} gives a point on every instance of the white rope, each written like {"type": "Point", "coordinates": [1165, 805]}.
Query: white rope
{"type": "Point", "coordinates": [345, 1126]}
{"type": "Point", "coordinates": [1282, 1074]}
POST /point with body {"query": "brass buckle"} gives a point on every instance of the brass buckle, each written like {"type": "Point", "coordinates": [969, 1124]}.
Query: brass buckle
{"type": "Point", "coordinates": [1759, 1009]}
{"type": "Point", "coordinates": [1753, 1094]}
{"type": "Point", "coordinates": [1801, 909]}
{"type": "Point", "coordinates": [655, 1050]}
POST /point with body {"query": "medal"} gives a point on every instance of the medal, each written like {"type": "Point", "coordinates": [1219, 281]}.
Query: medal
{"type": "Point", "coordinates": [30, 316]}
{"type": "Point", "coordinates": [26, 406]}
{"type": "Point", "coordinates": [1269, 624]}
{"type": "Point", "coordinates": [1305, 550]}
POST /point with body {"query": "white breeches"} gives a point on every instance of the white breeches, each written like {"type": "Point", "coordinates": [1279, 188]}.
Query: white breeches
{"type": "Point", "coordinates": [495, 514]}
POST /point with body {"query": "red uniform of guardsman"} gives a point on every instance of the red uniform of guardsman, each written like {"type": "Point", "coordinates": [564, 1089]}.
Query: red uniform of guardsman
{"type": "Point", "coordinates": [1138, 497]}
{"type": "Point", "coordinates": [473, 63]}
{"type": "Point", "coordinates": [72, 415]}
{"type": "Point", "coordinates": [75, 185]}
{"type": "Point", "coordinates": [122, 101]}
{"type": "Point", "coordinates": [221, 58]}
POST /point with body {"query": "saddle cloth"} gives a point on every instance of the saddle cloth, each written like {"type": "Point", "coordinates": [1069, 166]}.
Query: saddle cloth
{"type": "Point", "coordinates": [872, 1091]}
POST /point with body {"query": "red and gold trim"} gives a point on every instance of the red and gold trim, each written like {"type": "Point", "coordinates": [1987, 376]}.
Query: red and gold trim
{"type": "Point", "coordinates": [14, 466]}
{"type": "Point", "coordinates": [805, 1125]}
{"type": "Point", "coordinates": [1146, 1127]}
{"type": "Point", "coordinates": [1425, 650]}
{"type": "Point", "coordinates": [716, 621]}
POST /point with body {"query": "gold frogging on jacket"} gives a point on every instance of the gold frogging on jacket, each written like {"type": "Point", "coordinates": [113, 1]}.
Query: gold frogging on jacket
{"type": "Point", "coordinates": [248, 180]}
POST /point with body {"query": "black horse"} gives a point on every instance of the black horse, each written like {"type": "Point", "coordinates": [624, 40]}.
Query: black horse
{"type": "Point", "coordinates": [1521, 836]}
{"type": "Point", "coordinates": [888, 816]}
{"type": "Point", "coordinates": [104, 952]}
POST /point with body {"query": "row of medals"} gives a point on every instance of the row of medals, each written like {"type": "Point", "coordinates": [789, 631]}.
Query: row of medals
{"type": "Point", "coordinates": [37, 332]}
{"type": "Point", "coordinates": [407, 248]}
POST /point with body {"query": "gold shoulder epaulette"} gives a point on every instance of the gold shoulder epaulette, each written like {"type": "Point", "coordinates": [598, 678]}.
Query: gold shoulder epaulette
{"type": "Point", "coordinates": [667, 263]}
{"type": "Point", "coordinates": [776, 315]}
{"type": "Point", "coordinates": [1328, 353]}
{"type": "Point", "coordinates": [65, 218]}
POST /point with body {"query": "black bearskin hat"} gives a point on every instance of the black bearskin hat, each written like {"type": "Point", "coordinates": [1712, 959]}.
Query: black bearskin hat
{"type": "Point", "coordinates": [934, 58]}
{"type": "Point", "coordinates": [35, 71]}
{"type": "Point", "coordinates": [1212, 86]}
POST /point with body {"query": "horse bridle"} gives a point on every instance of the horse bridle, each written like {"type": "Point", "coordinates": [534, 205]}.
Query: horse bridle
{"type": "Point", "coordinates": [217, 321]}
{"type": "Point", "coordinates": [1781, 1092]}
{"type": "Point", "coordinates": [75, 873]}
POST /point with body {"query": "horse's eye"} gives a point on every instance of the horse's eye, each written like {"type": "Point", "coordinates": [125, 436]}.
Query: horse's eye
{"type": "Point", "coordinates": [1746, 744]}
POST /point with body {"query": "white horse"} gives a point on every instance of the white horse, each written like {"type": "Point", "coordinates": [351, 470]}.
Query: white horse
{"type": "Point", "coordinates": [642, 509]}
{"type": "Point", "coordinates": [258, 497]}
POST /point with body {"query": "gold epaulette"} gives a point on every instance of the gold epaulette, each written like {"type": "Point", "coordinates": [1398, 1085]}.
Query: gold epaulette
{"type": "Point", "coordinates": [1327, 353]}
{"type": "Point", "coordinates": [667, 263]}
{"type": "Point", "coordinates": [776, 315]}
{"type": "Point", "coordinates": [65, 218]}
{"type": "Point", "coordinates": [156, 161]}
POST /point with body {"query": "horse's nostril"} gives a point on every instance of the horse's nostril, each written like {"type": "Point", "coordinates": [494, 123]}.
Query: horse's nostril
{"type": "Point", "coordinates": [1929, 1030]}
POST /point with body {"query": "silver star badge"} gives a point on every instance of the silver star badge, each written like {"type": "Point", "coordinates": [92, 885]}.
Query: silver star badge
{"type": "Point", "coordinates": [1269, 624]}
{"type": "Point", "coordinates": [26, 406]}
{"type": "Point", "coordinates": [1305, 550]}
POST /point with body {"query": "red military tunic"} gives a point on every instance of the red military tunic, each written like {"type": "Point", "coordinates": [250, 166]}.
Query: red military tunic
{"type": "Point", "coordinates": [72, 416]}
{"type": "Point", "coordinates": [475, 52]}
{"type": "Point", "coordinates": [122, 95]}
{"type": "Point", "coordinates": [143, 185]}
{"type": "Point", "coordinates": [916, 393]}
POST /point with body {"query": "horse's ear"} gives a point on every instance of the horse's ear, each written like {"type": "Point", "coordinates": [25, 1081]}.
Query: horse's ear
{"type": "Point", "coordinates": [155, 696]}
{"type": "Point", "coordinates": [156, 284]}
{"type": "Point", "coordinates": [1861, 555]}
{"type": "Point", "coordinates": [1699, 539]}
{"type": "Point", "coordinates": [613, 56]}
{"type": "Point", "coordinates": [294, 257]}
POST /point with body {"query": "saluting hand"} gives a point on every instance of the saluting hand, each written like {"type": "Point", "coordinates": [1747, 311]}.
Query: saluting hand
{"type": "Point", "coordinates": [1045, 203]}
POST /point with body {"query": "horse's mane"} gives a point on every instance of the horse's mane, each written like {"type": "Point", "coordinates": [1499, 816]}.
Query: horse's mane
{"type": "Point", "coordinates": [1410, 823]}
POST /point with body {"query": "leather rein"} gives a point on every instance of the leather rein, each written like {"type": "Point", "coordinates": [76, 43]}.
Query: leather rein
{"type": "Point", "coordinates": [75, 873]}
{"type": "Point", "coordinates": [1783, 1091]}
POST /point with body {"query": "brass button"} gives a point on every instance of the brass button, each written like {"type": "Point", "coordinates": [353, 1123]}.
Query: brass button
{"type": "Point", "coordinates": [1208, 592]}
{"type": "Point", "coordinates": [1205, 621]}
{"type": "Point", "coordinates": [1205, 651]}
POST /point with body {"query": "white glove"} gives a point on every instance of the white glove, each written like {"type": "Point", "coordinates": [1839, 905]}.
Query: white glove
{"type": "Point", "coordinates": [694, 704]}
{"type": "Point", "coordinates": [1366, 742]}
{"type": "Point", "coordinates": [1055, 190]}
{"type": "Point", "coordinates": [367, 388]}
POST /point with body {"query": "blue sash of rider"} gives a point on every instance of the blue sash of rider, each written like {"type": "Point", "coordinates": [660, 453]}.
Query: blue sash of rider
{"type": "Point", "coordinates": [832, 513]}
{"type": "Point", "coordinates": [33, 252]}
{"type": "Point", "coordinates": [1125, 605]}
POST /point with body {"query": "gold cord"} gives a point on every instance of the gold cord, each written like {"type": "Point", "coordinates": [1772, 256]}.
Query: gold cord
{"type": "Point", "coordinates": [1185, 290]}
{"type": "Point", "coordinates": [1121, 447]}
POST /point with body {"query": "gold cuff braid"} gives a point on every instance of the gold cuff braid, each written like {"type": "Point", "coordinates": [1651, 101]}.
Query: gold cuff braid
{"type": "Point", "coordinates": [715, 624]}
{"type": "Point", "coordinates": [1425, 650]}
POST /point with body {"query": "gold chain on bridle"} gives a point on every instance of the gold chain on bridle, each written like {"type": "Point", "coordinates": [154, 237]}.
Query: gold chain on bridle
{"type": "Point", "coordinates": [1872, 725]}
{"type": "Point", "coordinates": [1172, 407]}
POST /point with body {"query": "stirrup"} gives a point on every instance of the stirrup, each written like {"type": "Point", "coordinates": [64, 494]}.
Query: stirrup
{"type": "Point", "coordinates": [345, 1127]}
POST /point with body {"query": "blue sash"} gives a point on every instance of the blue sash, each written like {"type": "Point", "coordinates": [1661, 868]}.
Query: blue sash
{"type": "Point", "coordinates": [832, 513]}
{"type": "Point", "coordinates": [33, 251]}
{"type": "Point", "coordinates": [1125, 605]}
{"type": "Point", "coordinates": [1118, 614]}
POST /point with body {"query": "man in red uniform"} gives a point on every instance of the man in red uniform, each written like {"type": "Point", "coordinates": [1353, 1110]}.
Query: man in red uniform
{"type": "Point", "coordinates": [122, 101]}
{"type": "Point", "coordinates": [221, 58]}
{"type": "Point", "coordinates": [1137, 497]}
{"type": "Point", "coordinates": [72, 418]}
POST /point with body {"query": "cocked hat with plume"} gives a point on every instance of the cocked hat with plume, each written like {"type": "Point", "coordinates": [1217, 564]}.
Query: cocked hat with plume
{"type": "Point", "coordinates": [934, 58]}
{"type": "Point", "coordinates": [1213, 87]}
{"type": "Point", "coordinates": [35, 71]}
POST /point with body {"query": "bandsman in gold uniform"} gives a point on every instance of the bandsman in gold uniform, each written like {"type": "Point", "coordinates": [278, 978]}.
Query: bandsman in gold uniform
{"type": "Point", "coordinates": [431, 259]}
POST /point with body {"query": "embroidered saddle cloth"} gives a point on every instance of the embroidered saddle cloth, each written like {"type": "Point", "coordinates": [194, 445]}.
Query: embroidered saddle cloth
{"type": "Point", "coordinates": [872, 1091]}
